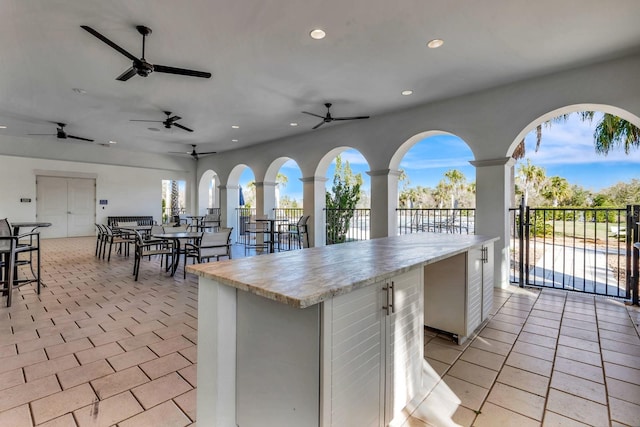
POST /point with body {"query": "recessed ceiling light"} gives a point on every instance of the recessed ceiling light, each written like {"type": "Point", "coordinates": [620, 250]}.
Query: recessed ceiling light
{"type": "Point", "coordinates": [154, 129]}
{"type": "Point", "coordinates": [80, 91]}
{"type": "Point", "coordinates": [435, 43]}
{"type": "Point", "coordinates": [113, 142]}
{"type": "Point", "coordinates": [317, 34]}
{"type": "Point", "coordinates": [407, 92]}
{"type": "Point", "coordinates": [235, 127]}
{"type": "Point", "coordinates": [293, 124]}
{"type": "Point", "coordinates": [234, 140]}
{"type": "Point", "coordinates": [3, 127]}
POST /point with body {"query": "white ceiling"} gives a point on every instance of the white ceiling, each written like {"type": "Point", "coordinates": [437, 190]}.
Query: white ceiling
{"type": "Point", "coordinates": [266, 69]}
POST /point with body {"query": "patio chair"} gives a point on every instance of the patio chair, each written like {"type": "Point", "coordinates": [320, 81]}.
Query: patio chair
{"type": "Point", "coordinates": [119, 237]}
{"type": "Point", "coordinates": [295, 234]}
{"type": "Point", "coordinates": [210, 222]}
{"type": "Point", "coordinates": [212, 245]}
{"type": "Point", "coordinates": [252, 230]}
{"type": "Point", "coordinates": [11, 246]}
{"type": "Point", "coordinates": [152, 247]}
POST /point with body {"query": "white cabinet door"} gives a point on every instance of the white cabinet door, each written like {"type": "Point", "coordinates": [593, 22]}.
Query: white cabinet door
{"type": "Point", "coordinates": [405, 339]}
{"type": "Point", "coordinates": [474, 290]}
{"type": "Point", "coordinates": [487, 282]}
{"type": "Point", "coordinates": [357, 359]}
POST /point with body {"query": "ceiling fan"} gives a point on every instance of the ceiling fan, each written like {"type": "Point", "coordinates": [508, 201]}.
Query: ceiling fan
{"type": "Point", "coordinates": [61, 134]}
{"type": "Point", "coordinates": [193, 153]}
{"type": "Point", "coordinates": [329, 118]}
{"type": "Point", "coordinates": [168, 122]}
{"type": "Point", "coordinates": [140, 66]}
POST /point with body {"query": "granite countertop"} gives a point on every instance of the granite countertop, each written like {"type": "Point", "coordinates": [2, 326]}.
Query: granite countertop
{"type": "Point", "coordinates": [306, 277]}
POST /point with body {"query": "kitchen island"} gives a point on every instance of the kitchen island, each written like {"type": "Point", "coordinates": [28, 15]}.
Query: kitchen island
{"type": "Point", "coordinates": [327, 336]}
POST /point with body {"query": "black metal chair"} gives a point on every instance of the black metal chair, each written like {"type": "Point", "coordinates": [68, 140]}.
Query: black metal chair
{"type": "Point", "coordinates": [152, 247]}
{"type": "Point", "coordinates": [295, 234]}
{"type": "Point", "coordinates": [11, 247]}
{"type": "Point", "coordinates": [211, 245]}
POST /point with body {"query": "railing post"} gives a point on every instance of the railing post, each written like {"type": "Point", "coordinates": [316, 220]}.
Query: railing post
{"type": "Point", "coordinates": [527, 233]}
{"type": "Point", "coordinates": [633, 258]}
{"type": "Point", "coordinates": [521, 243]}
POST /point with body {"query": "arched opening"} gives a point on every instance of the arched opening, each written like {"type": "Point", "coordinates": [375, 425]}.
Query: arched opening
{"type": "Point", "coordinates": [285, 174]}
{"type": "Point", "coordinates": [208, 192]}
{"type": "Point", "coordinates": [575, 179]}
{"type": "Point", "coordinates": [348, 195]}
{"type": "Point", "coordinates": [436, 184]}
{"type": "Point", "coordinates": [241, 200]}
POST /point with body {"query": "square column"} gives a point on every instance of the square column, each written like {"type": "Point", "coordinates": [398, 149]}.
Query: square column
{"type": "Point", "coordinates": [228, 205]}
{"type": "Point", "coordinates": [265, 198]}
{"type": "Point", "coordinates": [314, 202]}
{"type": "Point", "coordinates": [384, 201]}
{"type": "Point", "coordinates": [493, 200]}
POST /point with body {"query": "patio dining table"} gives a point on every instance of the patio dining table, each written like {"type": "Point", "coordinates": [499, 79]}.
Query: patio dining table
{"type": "Point", "coordinates": [176, 237]}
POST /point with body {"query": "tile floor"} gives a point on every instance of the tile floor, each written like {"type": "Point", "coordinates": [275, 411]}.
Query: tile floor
{"type": "Point", "coordinates": [98, 349]}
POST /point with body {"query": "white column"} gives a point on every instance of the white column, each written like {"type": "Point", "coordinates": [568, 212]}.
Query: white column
{"type": "Point", "coordinates": [493, 200]}
{"type": "Point", "coordinates": [228, 205]}
{"type": "Point", "coordinates": [314, 202]}
{"type": "Point", "coordinates": [384, 201]}
{"type": "Point", "coordinates": [265, 198]}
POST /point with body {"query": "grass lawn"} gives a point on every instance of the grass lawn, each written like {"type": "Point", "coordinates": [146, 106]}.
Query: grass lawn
{"type": "Point", "coordinates": [584, 230]}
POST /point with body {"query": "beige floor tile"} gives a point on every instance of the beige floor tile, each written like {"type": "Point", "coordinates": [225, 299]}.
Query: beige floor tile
{"type": "Point", "coordinates": [131, 358]}
{"type": "Point", "coordinates": [616, 327]}
{"type": "Point", "coordinates": [580, 355]}
{"type": "Point", "coordinates": [160, 390]}
{"type": "Point", "coordinates": [167, 413]}
{"type": "Point", "coordinates": [415, 422]}
{"type": "Point", "coordinates": [519, 321]}
{"type": "Point", "coordinates": [146, 327]}
{"type": "Point", "coordinates": [7, 350]}
{"type": "Point", "coordinates": [190, 353]}
{"type": "Point", "coordinates": [442, 353]}
{"type": "Point", "coordinates": [471, 395]}
{"type": "Point", "coordinates": [164, 365]}
{"type": "Point", "coordinates": [621, 347]}
{"type": "Point", "coordinates": [547, 314]}
{"type": "Point", "coordinates": [440, 367]}
{"type": "Point", "coordinates": [142, 340]}
{"type": "Point", "coordinates": [174, 331]}
{"type": "Point", "coordinates": [464, 416]}
{"type": "Point", "coordinates": [63, 421]}
{"type": "Point", "coordinates": [624, 412]}
{"type": "Point", "coordinates": [516, 400]}
{"type": "Point", "coordinates": [551, 419]}
{"type": "Point", "coordinates": [83, 374]}
{"type": "Point", "coordinates": [579, 316]}
{"type": "Point", "coordinates": [109, 337]}
{"type": "Point", "coordinates": [577, 324]}
{"type": "Point", "coordinates": [546, 331]}
{"type": "Point", "coordinates": [579, 369]}
{"type": "Point", "coordinates": [498, 335]}
{"type": "Point", "coordinates": [112, 325]}
{"type": "Point", "coordinates": [76, 334]}
{"type": "Point", "coordinates": [190, 374]}
{"type": "Point", "coordinates": [18, 416]}
{"type": "Point", "coordinates": [544, 353]}
{"type": "Point", "coordinates": [530, 363]}
{"type": "Point", "coordinates": [623, 390]}
{"type": "Point", "coordinates": [483, 358]}
{"type": "Point", "coordinates": [582, 410]}
{"type": "Point", "coordinates": [119, 382]}
{"type": "Point", "coordinates": [68, 348]}
{"type": "Point", "coordinates": [578, 333]}
{"type": "Point", "coordinates": [539, 340]}
{"type": "Point", "coordinates": [171, 345]}
{"type": "Point", "coordinates": [187, 403]}
{"type": "Point", "coordinates": [579, 343]}
{"type": "Point", "coordinates": [39, 343]}
{"type": "Point", "coordinates": [503, 326]}
{"type": "Point", "coordinates": [11, 379]}
{"type": "Point", "coordinates": [58, 404]}
{"type": "Point", "coordinates": [524, 380]}
{"type": "Point", "coordinates": [579, 387]}
{"type": "Point", "coordinates": [491, 345]}
{"type": "Point", "coordinates": [109, 411]}
{"type": "Point", "coordinates": [620, 358]}
{"type": "Point", "coordinates": [21, 360]}
{"type": "Point", "coordinates": [493, 415]}
{"type": "Point", "coordinates": [472, 373]}
{"type": "Point", "coordinates": [98, 353]}
{"type": "Point", "coordinates": [543, 321]}
{"type": "Point", "coordinates": [622, 373]}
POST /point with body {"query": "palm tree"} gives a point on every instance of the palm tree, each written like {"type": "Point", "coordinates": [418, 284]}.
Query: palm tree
{"type": "Point", "coordinates": [457, 184]}
{"type": "Point", "coordinates": [557, 189]}
{"type": "Point", "coordinates": [530, 176]}
{"type": "Point", "coordinates": [610, 132]}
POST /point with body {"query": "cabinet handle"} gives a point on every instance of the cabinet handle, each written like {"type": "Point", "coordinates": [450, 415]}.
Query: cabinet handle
{"type": "Point", "coordinates": [393, 297]}
{"type": "Point", "coordinates": [386, 307]}
{"type": "Point", "coordinates": [484, 257]}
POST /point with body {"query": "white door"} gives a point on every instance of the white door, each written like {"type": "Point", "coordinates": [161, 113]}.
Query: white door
{"type": "Point", "coordinates": [68, 204]}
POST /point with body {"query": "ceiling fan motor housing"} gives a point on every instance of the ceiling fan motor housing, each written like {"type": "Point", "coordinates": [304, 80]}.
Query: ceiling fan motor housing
{"type": "Point", "coordinates": [143, 68]}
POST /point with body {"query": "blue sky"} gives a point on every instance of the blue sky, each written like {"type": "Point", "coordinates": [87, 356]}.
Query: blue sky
{"type": "Point", "coordinates": [566, 151]}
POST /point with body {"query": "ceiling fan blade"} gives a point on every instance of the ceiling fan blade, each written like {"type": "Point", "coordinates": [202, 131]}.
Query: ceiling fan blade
{"type": "Point", "coordinates": [150, 121]}
{"type": "Point", "coordinates": [174, 118]}
{"type": "Point", "coordinates": [80, 138]}
{"type": "Point", "coordinates": [351, 118]}
{"type": "Point", "coordinates": [126, 75]}
{"type": "Point", "coordinates": [207, 152]}
{"type": "Point", "coordinates": [43, 134]}
{"type": "Point", "coordinates": [109, 42]}
{"type": "Point", "coordinates": [318, 125]}
{"type": "Point", "coordinates": [181, 71]}
{"type": "Point", "coordinates": [180, 152]}
{"type": "Point", "coordinates": [312, 114]}
{"type": "Point", "coordinates": [178, 125]}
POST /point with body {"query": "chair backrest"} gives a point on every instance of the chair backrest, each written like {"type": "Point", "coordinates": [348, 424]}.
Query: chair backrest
{"type": "Point", "coordinates": [220, 240]}
{"type": "Point", "coordinates": [5, 231]}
